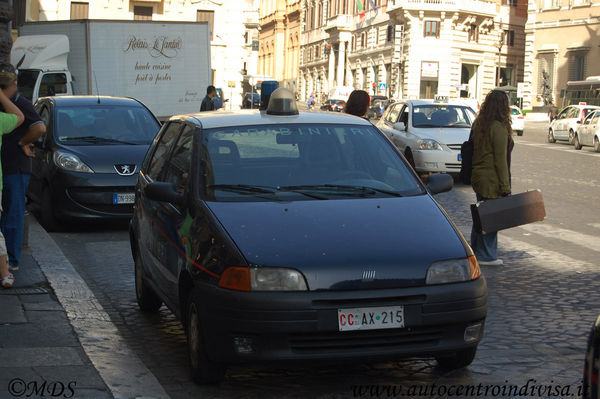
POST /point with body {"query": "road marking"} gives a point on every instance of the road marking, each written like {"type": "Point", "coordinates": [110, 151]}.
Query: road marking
{"type": "Point", "coordinates": [547, 230]}
{"type": "Point", "coordinates": [558, 147]}
{"type": "Point", "coordinates": [120, 368]}
{"type": "Point", "coordinates": [596, 225]}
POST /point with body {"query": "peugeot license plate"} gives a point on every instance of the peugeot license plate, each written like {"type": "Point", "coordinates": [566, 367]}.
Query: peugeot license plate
{"type": "Point", "coordinates": [123, 198]}
{"type": "Point", "coordinates": [371, 318]}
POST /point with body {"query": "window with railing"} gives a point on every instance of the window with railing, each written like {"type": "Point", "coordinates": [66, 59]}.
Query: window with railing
{"type": "Point", "coordinates": [509, 37]}
{"type": "Point", "coordinates": [390, 33]}
{"type": "Point", "coordinates": [432, 29]}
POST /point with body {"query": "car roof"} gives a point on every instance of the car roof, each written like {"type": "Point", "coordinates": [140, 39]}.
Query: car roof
{"type": "Point", "coordinates": [93, 100]}
{"type": "Point", "coordinates": [427, 102]}
{"type": "Point", "coordinates": [583, 106]}
{"type": "Point", "coordinates": [216, 119]}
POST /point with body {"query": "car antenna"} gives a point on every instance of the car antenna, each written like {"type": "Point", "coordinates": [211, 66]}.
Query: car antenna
{"type": "Point", "coordinates": [96, 82]}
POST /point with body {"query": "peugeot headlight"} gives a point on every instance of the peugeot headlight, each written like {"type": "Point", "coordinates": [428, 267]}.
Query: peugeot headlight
{"type": "Point", "coordinates": [67, 161]}
{"type": "Point", "coordinates": [453, 271]}
{"type": "Point", "coordinates": [276, 279]}
{"type": "Point", "coordinates": [429, 144]}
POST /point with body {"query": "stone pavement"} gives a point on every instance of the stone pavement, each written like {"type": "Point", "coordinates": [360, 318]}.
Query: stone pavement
{"type": "Point", "coordinates": [40, 354]}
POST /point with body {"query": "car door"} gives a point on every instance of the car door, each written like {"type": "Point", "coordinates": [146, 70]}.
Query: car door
{"type": "Point", "coordinates": [389, 120]}
{"type": "Point", "coordinates": [559, 126]}
{"type": "Point", "coordinates": [582, 130]}
{"type": "Point", "coordinates": [172, 220]}
{"type": "Point", "coordinates": [592, 128]}
{"type": "Point", "coordinates": [152, 246]}
{"type": "Point", "coordinates": [42, 159]}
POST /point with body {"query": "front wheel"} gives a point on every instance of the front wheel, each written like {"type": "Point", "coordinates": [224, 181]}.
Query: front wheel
{"type": "Point", "coordinates": [596, 144]}
{"type": "Point", "coordinates": [47, 218]}
{"type": "Point", "coordinates": [204, 371]}
{"type": "Point", "coordinates": [461, 358]}
{"type": "Point", "coordinates": [576, 143]}
{"type": "Point", "coordinates": [551, 138]}
{"type": "Point", "coordinates": [147, 299]}
{"type": "Point", "coordinates": [571, 136]}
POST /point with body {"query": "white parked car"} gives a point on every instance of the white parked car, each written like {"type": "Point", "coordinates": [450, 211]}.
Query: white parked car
{"type": "Point", "coordinates": [588, 133]}
{"type": "Point", "coordinates": [428, 133]}
{"type": "Point", "coordinates": [566, 123]}
{"type": "Point", "coordinates": [517, 120]}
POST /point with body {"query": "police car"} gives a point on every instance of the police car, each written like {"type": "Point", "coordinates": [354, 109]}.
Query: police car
{"type": "Point", "coordinates": [429, 133]}
{"type": "Point", "coordinates": [280, 236]}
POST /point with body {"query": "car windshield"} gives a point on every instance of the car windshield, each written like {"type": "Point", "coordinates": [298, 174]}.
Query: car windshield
{"type": "Point", "coordinates": [105, 124]}
{"type": "Point", "coordinates": [26, 82]}
{"type": "Point", "coordinates": [442, 115]}
{"type": "Point", "coordinates": [286, 162]}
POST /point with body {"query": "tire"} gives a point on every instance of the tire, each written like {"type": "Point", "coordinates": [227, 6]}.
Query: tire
{"type": "Point", "coordinates": [147, 299]}
{"type": "Point", "coordinates": [460, 359]}
{"type": "Point", "coordinates": [551, 138]}
{"type": "Point", "coordinates": [204, 371]}
{"type": "Point", "coordinates": [590, 371]}
{"type": "Point", "coordinates": [576, 143]}
{"type": "Point", "coordinates": [519, 132]}
{"type": "Point", "coordinates": [409, 157]}
{"type": "Point", "coordinates": [571, 136]}
{"type": "Point", "coordinates": [596, 144]}
{"type": "Point", "coordinates": [47, 218]}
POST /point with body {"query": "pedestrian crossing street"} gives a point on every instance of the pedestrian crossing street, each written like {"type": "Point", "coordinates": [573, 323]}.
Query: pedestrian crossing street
{"type": "Point", "coordinates": [563, 147]}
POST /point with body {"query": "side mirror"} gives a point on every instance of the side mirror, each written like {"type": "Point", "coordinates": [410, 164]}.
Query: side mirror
{"type": "Point", "coordinates": [164, 192]}
{"type": "Point", "coordinates": [399, 126]}
{"type": "Point", "coordinates": [440, 183]}
{"type": "Point", "coordinates": [579, 122]}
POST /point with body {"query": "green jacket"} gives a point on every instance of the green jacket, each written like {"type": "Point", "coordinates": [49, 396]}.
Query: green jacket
{"type": "Point", "coordinates": [490, 176]}
{"type": "Point", "coordinates": [8, 123]}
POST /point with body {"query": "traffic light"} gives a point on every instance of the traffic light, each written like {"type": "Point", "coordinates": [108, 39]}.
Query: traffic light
{"type": "Point", "coordinates": [327, 49]}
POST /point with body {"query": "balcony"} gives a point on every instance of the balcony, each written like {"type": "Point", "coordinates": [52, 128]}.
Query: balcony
{"type": "Point", "coordinates": [479, 7]}
{"type": "Point", "coordinates": [339, 22]}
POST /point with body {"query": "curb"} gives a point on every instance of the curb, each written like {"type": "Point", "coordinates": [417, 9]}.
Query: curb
{"type": "Point", "coordinates": [120, 368]}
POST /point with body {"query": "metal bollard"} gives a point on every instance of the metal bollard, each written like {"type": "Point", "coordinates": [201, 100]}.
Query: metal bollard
{"type": "Point", "coordinates": [26, 230]}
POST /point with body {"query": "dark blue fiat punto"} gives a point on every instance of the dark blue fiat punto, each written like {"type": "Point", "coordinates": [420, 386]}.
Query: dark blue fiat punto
{"type": "Point", "coordinates": [278, 236]}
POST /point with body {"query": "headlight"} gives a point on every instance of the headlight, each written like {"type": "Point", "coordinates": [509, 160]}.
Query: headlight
{"type": "Point", "coordinates": [429, 144]}
{"type": "Point", "coordinates": [453, 271]}
{"type": "Point", "coordinates": [71, 162]}
{"type": "Point", "coordinates": [276, 279]}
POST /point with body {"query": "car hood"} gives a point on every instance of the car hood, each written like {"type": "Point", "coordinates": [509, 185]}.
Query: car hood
{"type": "Point", "coordinates": [333, 242]}
{"type": "Point", "coordinates": [444, 135]}
{"type": "Point", "coordinates": [103, 158]}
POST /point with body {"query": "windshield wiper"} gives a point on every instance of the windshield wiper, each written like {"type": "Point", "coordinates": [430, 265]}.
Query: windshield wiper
{"type": "Point", "coordinates": [244, 188]}
{"type": "Point", "coordinates": [339, 188]}
{"type": "Point", "coordinates": [96, 139]}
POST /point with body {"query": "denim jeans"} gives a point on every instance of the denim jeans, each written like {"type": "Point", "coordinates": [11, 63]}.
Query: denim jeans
{"type": "Point", "coordinates": [13, 215]}
{"type": "Point", "coordinates": [485, 246]}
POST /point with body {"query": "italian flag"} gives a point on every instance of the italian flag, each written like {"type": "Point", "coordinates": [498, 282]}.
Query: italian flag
{"type": "Point", "coordinates": [361, 9]}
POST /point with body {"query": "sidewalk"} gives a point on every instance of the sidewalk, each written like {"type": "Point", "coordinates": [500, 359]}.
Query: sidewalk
{"type": "Point", "coordinates": [40, 354]}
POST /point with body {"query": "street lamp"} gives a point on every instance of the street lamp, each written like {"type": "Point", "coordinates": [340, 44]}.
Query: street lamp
{"type": "Point", "coordinates": [500, 44]}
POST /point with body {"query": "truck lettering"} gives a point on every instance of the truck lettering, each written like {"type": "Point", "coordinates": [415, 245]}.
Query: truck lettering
{"type": "Point", "coordinates": [135, 44]}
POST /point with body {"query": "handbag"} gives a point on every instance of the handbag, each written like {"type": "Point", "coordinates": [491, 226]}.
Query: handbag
{"type": "Point", "coordinates": [506, 212]}
{"type": "Point", "coordinates": [466, 160]}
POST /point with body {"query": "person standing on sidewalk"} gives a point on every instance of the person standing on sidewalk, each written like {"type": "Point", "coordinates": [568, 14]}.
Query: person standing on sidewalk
{"type": "Point", "coordinates": [16, 165]}
{"type": "Point", "coordinates": [9, 121]}
{"type": "Point", "coordinates": [492, 145]}
{"type": "Point", "coordinates": [207, 102]}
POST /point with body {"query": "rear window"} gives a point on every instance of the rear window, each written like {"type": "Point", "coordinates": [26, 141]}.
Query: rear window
{"type": "Point", "coordinates": [104, 124]}
{"type": "Point", "coordinates": [283, 155]}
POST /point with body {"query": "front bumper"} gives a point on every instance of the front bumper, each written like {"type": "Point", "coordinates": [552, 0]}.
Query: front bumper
{"type": "Point", "coordinates": [441, 161]}
{"type": "Point", "coordinates": [90, 195]}
{"type": "Point", "coordinates": [304, 325]}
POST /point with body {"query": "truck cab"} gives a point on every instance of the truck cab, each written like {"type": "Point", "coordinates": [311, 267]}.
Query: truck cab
{"type": "Point", "coordinates": [42, 64]}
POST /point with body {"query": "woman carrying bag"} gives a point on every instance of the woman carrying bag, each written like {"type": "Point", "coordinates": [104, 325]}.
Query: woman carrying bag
{"type": "Point", "coordinates": [492, 146]}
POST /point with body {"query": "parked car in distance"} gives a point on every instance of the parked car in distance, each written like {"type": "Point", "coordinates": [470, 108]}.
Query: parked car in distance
{"type": "Point", "coordinates": [591, 370]}
{"type": "Point", "coordinates": [377, 108]}
{"type": "Point", "coordinates": [588, 133]}
{"type": "Point", "coordinates": [429, 133]}
{"type": "Point", "coordinates": [567, 121]}
{"type": "Point", "coordinates": [86, 164]}
{"type": "Point", "coordinates": [517, 120]}
{"type": "Point", "coordinates": [251, 100]}
{"type": "Point", "coordinates": [333, 105]}
{"type": "Point", "coordinates": [377, 98]}
{"type": "Point", "coordinates": [287, 237]}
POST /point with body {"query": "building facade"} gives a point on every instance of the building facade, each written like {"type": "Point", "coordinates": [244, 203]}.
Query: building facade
{"type": "Point", "coordinates": [279, 37]}
{"type": "Point", "coordinates": [562, 38]}
{"type": "Point", "coordinates": [409, 49]}
{"type": "Point", "coordinates": [234, 29]}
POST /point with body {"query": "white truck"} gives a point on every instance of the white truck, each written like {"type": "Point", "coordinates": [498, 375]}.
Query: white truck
{"type": "Point", "coordinates": [166, 65]}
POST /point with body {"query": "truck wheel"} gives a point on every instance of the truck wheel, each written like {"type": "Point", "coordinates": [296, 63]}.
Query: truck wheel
{"type": "Point", "coordinates": [204, 371]}
{"type": "Point", "coordinates": [147, 299]}
{"type": "Point", "coordinates": [576, 143]}
{"type": "Point", "coordinates": [461, 359]}
{"type": "Point", "coordinates": [551, 138]}
{"type": "Point", "coordinates": [47, 218]}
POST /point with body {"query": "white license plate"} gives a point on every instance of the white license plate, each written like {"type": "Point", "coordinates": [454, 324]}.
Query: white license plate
{"type": "Point", "coordinates": [123, 198]}
{"type": "Point", "coordinates": [371, 318]}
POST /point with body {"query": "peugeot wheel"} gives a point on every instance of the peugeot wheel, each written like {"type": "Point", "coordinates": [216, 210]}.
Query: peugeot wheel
{"type": "Point", "coordinates": [147, 299]}
{"type": "Point", "coordinates": [47, 218]}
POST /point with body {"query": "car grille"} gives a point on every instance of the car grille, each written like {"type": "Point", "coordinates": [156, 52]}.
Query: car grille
{"type": "Point", "coordinates": [455, 147]}
{"type": "Point", "coordinates": [453, 166]}
{"type": "Point", "coordinates": [340, 341]}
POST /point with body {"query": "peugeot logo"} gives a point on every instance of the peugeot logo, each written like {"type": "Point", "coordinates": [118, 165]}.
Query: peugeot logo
{"type": "Point", "coordinates": [368, 275]}
{"type": "Point", "coordinates": [125, 169]}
